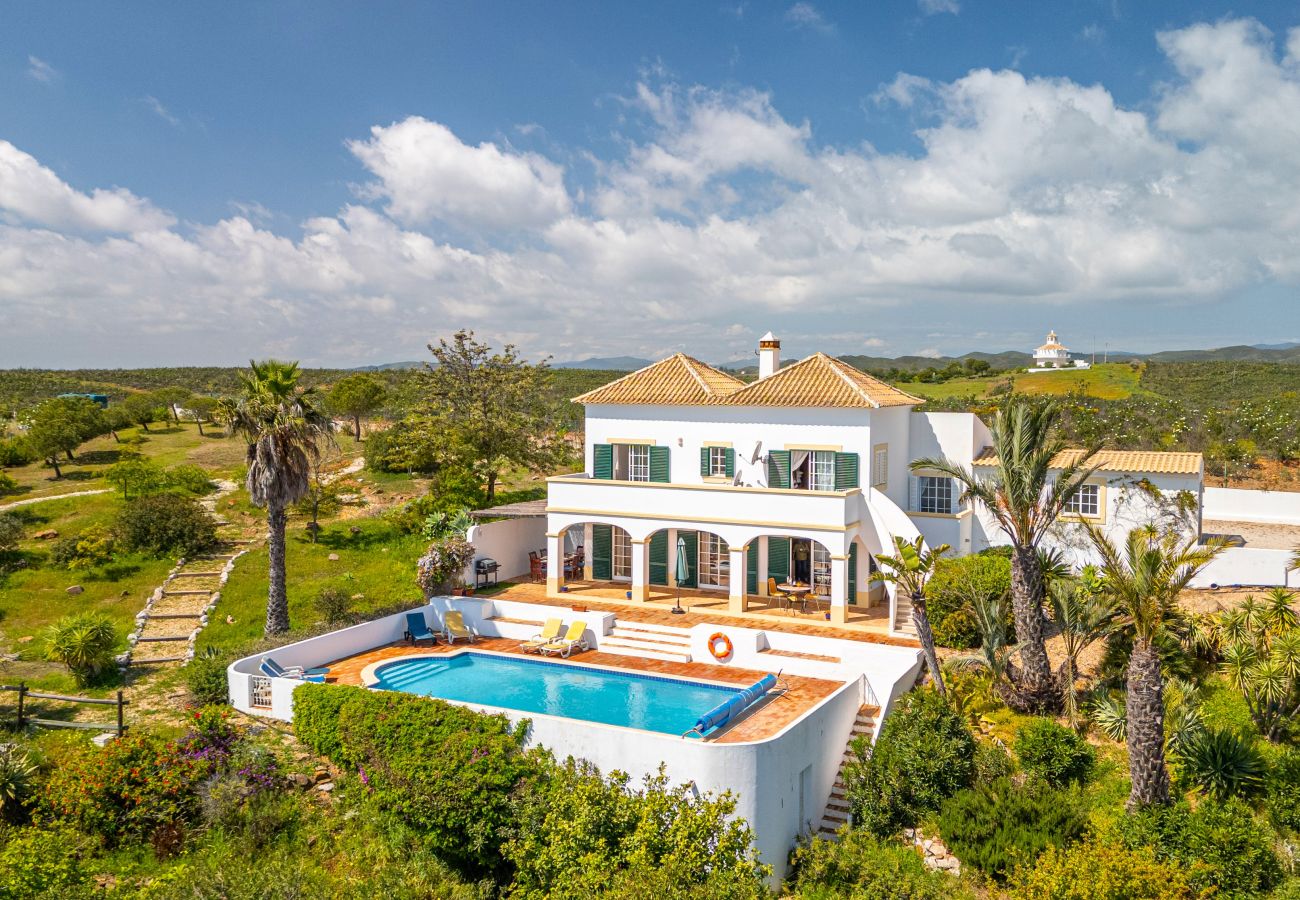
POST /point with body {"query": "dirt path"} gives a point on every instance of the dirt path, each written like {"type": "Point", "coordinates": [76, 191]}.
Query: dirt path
{"type": "Point", "coordinates": [28, 502]}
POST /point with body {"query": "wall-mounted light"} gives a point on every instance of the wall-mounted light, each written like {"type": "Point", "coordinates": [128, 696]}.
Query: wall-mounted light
{"type": "Point", "coordinates": [679, 442]}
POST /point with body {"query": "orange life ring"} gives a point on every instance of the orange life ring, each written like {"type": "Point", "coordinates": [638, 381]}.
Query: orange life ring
{"type": "Point", "coordinates": [720, 646]}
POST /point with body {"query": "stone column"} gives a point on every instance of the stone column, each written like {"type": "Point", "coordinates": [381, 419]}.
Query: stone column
{"type": "Point", "coordinates": [554, 563]}
{"type": "Point", "coordinates": [762, 565]}
{"type": "Point", "coordinates": [641, 570]}
{"type": "Point", "coordinates": [839, 589]}
{"type": "Point", "coordinates": [672, 557]}
{"type": "Point", "coordinates": [736, 600]}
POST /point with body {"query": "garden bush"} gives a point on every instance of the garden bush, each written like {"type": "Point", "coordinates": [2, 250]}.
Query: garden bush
{"type": "Point", "coordinates": [11, 532]}
{"type": "Point", "coordinates": [7, 485]}
{"type": "Point", "coordinates": [1282, 789]}
{"type": "Point", "coordinates": [17, 780]}
{"type": "Point", "coordinates": [15, 452]}
{"type": "Point", "coordinates": [441, 567]}
{"type": "Point", "coordinates": [957, 583]}
{"type": "Point", "coordinates": [992, 762]}
{"type": "Point", "coordinates": [1098, 871]}
{"type": "Point", "coordinates": [1220, 764]}
{"type": "Point", "coordinates": [316, 717]}
{"type": "Point", "coordinates": [188, 478]}
{"type": "Point", "coordinates": [924, 755]}
{"type": "Point", "coordinates": [205, 677]}
{"type": "Point", "coordinates": [1054, 753]}
{"type": "Point", "coordinates": [1220, 846]}
{"type": "Point", "coordinates": [579, 834]}
{"type": "Point", "coordinates": [93, 547]}
{"type": "Point", "coordinates": [333, 605]}
{"type": "Point", "coordinates": [40, 862]}
{"type": "Point", "coordinates": [84, 642]}
{"type": "Point", "coordinates": [166, 524]}
{"type": "Point", "coordinates": [859, 865]}
{"type": "Point", "coordinates": [998, 826]}
{"type": "Point", "coordinates": [132, 788]}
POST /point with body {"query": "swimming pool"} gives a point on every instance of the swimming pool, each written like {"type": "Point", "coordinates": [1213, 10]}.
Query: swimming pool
{"type": "Point", "coordinates": [628, 699]}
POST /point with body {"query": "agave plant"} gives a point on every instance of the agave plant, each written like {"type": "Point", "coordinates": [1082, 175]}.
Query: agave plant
{"type": "Point", "coordinates": [1279, 614]}
{"type": "Point", "coordinates": [16, 773]}
{"type": "Point", "coordinates": [84, 643]}
{"type": "Point", "coordinates": [1182, 720]}
{"type": "Point", "coordinates": [1261, 659]}
{"type": "Point", "coordinates": [1221, 764]}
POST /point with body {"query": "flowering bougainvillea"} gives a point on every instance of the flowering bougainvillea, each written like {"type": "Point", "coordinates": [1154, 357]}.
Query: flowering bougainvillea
{"type": "Point", "coordinates": [440, 568]}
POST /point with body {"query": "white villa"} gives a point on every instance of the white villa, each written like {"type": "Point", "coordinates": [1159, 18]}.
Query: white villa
{"type": "Point", "coordinates": [1055, 355]}
{"type": "Point", "coordinates": [801, 475]}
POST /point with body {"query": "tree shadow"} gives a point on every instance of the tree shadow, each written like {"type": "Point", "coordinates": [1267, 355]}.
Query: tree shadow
{"type": "Point", "coordinates": [114, 571]}
{"type": "Point", "coordinates": [99, 457]}
{"type": "Point", "coordinates": [340, 538]}
{"type": "Point", "coordinates": [170, 429]}
{"type": "Point", "coordinates": [16, 491]}
{"type": "Point", "coordinates": [77, 476]}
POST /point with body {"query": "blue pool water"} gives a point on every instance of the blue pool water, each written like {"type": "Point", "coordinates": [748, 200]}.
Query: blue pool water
{"type": "Point", "coordinates": [647, 702]}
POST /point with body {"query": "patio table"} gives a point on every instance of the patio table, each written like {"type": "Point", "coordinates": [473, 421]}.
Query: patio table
{"type": "Point", "coordinates": [796, 593]}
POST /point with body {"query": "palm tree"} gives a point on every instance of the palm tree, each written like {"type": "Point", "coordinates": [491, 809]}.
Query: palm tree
{"type": "Point", "coordinates": [908, 570]}
{"type": "Point", "coordinates": [1025, 500]}
{"type": "Point", "coordinates": [284, 428]}
{"type": "Point", "coordinates": [1142, 580]}
{"type": "Point", "coordinates": [1082, 616]}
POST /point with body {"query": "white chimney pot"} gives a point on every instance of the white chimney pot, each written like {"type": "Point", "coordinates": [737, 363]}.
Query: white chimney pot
{"type": "Point", "coordinates": [769, 355]}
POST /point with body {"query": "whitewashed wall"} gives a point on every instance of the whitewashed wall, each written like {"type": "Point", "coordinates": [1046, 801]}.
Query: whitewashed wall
{"type": "Point", "coordinates": [1280, 507]}
{"type": "Point", "coordinates": [1249, 567]}
{"type": "Point", "coordinates": [508, 542]}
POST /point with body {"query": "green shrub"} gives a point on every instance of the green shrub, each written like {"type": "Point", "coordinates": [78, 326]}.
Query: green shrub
{"type": "Point", "coordinates": [316, 717]}
{"type": "Point", "coordinates": [15, 452]}
{"type": "Point", "coordinates": [11, 532]}
{"type": "Point", "coordinates": [998, 826]}
{"type": "Point", "coordinates": [924, 755]}
{"type": "Point", "coordinates": [128, 791]}
{"type": "Point", "coordinates": [992, 762]}
{"type": "Point", "coordinates": [205, 677]}
{"type": "Point", "coordinates": [135, 476]}
{"type": "Point", "coordinates": [578, 834]}
{"type": "Point", "coordinates": [1054, 753]}
{"type": "Point", "coordinates": [1220, 764]}
{"type": "Point", "coordinates": [1221, 846]}
{"type": "Point", "coordinates": [333, 605]}
{"type": "Point", "coordinates": [166, 524]}
{"type": "Point", "coordinates": [957, 583]}
{"type": "Point", "coordinates": [440, 569]}
{"type": "Point", "coordinates": [17, 777]}
{"type": "Point", "coordinates": [93, 547]}
{"type": "Point", "coordinates": [1097, 871]}
{"type": "Point", "coordinates": [7, 485]}
{"type": "Point", "coordinates": [1282, 790]}
{"type": "Point", "coordinates": [39, 862]}
{"type": "Point", "coordinates": [859, 865]}
{"type": "Point", "coordinates": [83, 642]}
{"type": "Point", "coordinates": [188, 478]}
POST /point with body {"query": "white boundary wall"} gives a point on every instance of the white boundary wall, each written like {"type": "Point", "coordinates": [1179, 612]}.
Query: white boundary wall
{"type": "Point", "coordinates": [508, 542]}
{"type": "Point", "coordinates": [781, 783]}
{"type": "Point", "coordinates": [1234, 505]}
{"type": "Point", "coordinates": [1250, 567]}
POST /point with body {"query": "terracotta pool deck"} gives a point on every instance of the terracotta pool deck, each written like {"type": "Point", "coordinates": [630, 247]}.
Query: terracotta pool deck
{"type": "Point", "coordinates": [764, 721]}
{"type": "Point", "coordinates": [865, 624]}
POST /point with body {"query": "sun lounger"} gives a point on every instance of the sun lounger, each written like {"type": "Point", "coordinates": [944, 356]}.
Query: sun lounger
{"type": "Point", "coordinates": [454, 626]}
{"type": "Point", "coordinates": [550, 632]}
{"type": "Point", "coordinates": [273, 669]}
{"type": "Point", "coordinates": [418, 630]}
{"type": "Point", "coordinates": [573, 639]}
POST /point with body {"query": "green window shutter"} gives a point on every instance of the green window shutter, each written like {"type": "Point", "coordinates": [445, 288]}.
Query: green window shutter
{"type": "Point", "coordinates": [731, 463]}
{"type": "Point", "coordinates": [751, 567]}
{"type": "Point", "coordinates": [704, 460]}
{"type": "Point", "coordinates": [778, 468]}
{"type": "Point", "coordinates": [659, 464]}
{"type": "Point", "coordinates": [778, 558]}
{"type": "Point", "coordinates": [602, 461]}
{"type": "Point", "coordinates": [846, 471]}
{"type": "Point", "coordinates": [602, 552]}
{"type": "Point", "coordinates": [659, 558]}
{"type": "Point", "coordinates": [692, 541]}
{"type": "Point", "coordinates": [853, 572]}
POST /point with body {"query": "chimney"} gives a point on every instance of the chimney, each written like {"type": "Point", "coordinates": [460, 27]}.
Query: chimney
{"type": "Point", "coordinates": [769, 355]}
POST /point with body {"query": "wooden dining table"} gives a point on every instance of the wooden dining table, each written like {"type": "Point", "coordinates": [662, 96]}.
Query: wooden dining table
{"type": "Point", "coordinates": [796, 593]}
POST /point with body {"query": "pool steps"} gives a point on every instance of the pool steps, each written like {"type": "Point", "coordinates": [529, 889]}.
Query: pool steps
{"type": "Point", "coordinates": [837, 807]}
{"type": "Point", "coordinates": [647, 641]}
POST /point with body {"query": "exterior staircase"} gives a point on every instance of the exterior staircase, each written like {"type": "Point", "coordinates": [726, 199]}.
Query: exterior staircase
{"type": "Point", "coordinates": [903, 615]}
{"type": "Point", "coordinates": [648, 641]}
{"type": "Point", "coordinates": [837, 807]}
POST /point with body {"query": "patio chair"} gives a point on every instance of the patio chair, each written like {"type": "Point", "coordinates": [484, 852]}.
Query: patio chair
{"type": "Point", "coordinates": [454, 627]}
{"type": "Point", "coordinates": [273, 669]}
{"type": "Point", "coordinates": [550, 632]}
{"type": "Point", "coordinates": [573, 639]}
{"type": "Point", "coordinates": [536, 568]}
{"type": "Point", "coordinates": [776, 594]}
{"type": "Point", "coordinates": [418, 630]}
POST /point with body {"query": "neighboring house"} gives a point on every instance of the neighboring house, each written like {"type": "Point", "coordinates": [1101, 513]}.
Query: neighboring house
{"type": "Point", "coordinates": [1054, 355]}
{"type": "Point", "coordinates": [804, 473]}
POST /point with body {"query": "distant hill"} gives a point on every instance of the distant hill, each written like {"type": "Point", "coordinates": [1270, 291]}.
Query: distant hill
{"type": "Point", "coordinates": [386, 367]}
{"type": "Point", "coordinates": [1239, 353]}
{"type": "Point", "coordinates": [606, 363]}
{"type": "Point", "coordinates": [1288, 345]}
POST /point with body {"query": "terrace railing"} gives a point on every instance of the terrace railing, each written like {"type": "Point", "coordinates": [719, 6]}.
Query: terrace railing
{"type": "Point", "coordinates": [259, 692]}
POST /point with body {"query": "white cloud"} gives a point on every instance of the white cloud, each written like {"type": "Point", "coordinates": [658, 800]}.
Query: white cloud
{"type": "Point", "coordinates": [156, 107]}
{"type": "Point", "coordinates": [805, 15]}
{"type": "Point", "coordinates": [1093, 33]}
{"type": "Point", "coordinates": [425, 173]}
{"type": "Point", "coordinates": [935, 7]}
{"type": "Point", "coordinates": [1023, 194]}
{"type": "Point", "coordinates": [29, 192]}
{"type": "Point", "coordinates": [41, 71]}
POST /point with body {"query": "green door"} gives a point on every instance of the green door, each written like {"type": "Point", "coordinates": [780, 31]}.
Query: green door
{"type": "Point", "coordinates": [659, 558]}
{"type": "Point", "coordinates": [751, 568]}
{"type": "Point", "coordinates": [778, 558]}
{"type": "Point", "coordinates": [853, 573]}
{"type": "Point", "coordinates": [602, 552]}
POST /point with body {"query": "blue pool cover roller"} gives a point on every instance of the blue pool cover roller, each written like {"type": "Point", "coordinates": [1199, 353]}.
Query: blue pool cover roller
{"type": "Point", "coordinates": [733, 706]}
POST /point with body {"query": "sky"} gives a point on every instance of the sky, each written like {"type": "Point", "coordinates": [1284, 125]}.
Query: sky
{"type": "Point", "coordinates": [342, 183]}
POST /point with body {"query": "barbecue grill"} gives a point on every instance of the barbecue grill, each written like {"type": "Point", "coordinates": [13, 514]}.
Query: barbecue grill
{"type": "Point", "coordinates": [485, 572]}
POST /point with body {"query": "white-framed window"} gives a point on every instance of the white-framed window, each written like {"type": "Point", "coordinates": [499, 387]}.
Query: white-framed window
{"type": "Point", "coordinates": [935, 494]}
{"type": "Point", "coordinates": [880, 466]}
{"type": "Point", "coordinates": [714, 563]}
{"type": "Point", "coordinates": [622, 555]}
{"type": "Point", "coordinates": [718, 461]}
{"type": "Point", "coordinates": [638, 462]}
{"type": "Point", "coordinates": [1085, 502]}
{"type": "Point", "coordinates": [822, 470]}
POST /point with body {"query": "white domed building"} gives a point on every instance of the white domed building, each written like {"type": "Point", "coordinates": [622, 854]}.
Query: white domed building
{"type": "Point", "coordinates": [1054, 355]}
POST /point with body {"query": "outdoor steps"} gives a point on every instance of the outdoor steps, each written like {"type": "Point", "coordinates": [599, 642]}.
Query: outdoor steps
{"type": "Point", "coordinates": [647, 641]}
{"type": "Point", "coordinates": [836, 813]}
{"type": "Point", "coordinates": [903, 616]}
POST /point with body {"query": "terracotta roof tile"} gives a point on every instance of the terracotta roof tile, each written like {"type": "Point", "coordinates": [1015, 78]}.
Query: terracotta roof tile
{"type": "Point", "coordinates": [1148, 461]}
{"type": "Point", "coordinates": [677, 380]}
{"type": "Point", "coordinates": [820, 381]}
